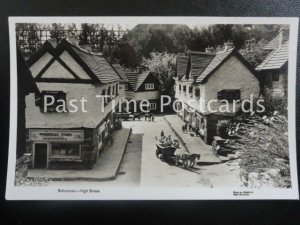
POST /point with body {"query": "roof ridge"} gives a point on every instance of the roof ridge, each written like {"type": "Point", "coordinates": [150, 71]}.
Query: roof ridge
{"type": "Point", "coordinates": [270, 55]}
{"type": "Point", "coordinates": [217, 64]}
{"type": "Point", "coordinates": [82, 49]}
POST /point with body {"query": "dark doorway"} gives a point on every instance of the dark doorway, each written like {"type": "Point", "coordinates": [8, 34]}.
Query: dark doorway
{"type": "Point", "coordinates": [40, 158]}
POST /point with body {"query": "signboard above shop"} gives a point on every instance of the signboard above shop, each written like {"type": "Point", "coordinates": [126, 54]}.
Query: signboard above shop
{"type": "Point", "coordinates": [57, 135]}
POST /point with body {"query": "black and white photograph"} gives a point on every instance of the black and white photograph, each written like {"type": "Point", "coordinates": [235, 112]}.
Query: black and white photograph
{"type": "Point", "coordinates": [152, 108]}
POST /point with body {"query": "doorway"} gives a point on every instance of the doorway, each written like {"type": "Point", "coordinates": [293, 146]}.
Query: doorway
{"type": "Point", "coordinates": [40, 155]}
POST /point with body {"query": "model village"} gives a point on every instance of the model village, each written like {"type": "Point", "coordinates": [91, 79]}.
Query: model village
{"type": "Point", "coordinates": [115, 144]}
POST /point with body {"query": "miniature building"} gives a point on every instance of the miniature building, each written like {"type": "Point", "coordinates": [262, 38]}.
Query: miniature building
{"type": "Point", "coordinates": [70, 137]}
{"type": "Point", "coordinates": [274, 69]}
{"type": "Point", "coordinates": [143, 85]}
{"type": "Point", "coordinates": [205, 76]}
{"type": "Point", "coordinates": [139, 86]}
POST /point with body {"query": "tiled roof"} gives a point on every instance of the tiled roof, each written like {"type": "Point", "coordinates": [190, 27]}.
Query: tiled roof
{"type": "Point", "coordinates": [214, 63]}
{"type": "Point", "coordinates": [136, 79]}
{"type": "Point", "coordinates": [98, 65]}
{"type": "Point", "coordinates": [141, 78]}
{"type": "Point", "coordinates": [26, 83]}
{"type": "Point", "coordinates": [120, 72]}
{"type": "Point", "coordinates": [132, 78]}
{"type": "Point", "coordinates": [199, 61]}
{"type": "Point", "coordinates": [181, 65]}
{"type": "Point", "coordinates": [273, 44]}
{"type": "Point", "coordinates": [276, 59]}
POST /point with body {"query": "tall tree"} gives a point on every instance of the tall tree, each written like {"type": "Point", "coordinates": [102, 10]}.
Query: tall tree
{"type": "Point", "coordinates": [28, 37]}
{"type": "Point", "coordinates": [162, 65]}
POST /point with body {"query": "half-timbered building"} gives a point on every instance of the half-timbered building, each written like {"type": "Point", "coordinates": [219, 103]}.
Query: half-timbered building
{"type": "Point", "coordinates": [74, 135]}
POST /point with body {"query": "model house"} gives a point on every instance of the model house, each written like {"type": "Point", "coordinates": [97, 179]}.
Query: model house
{"type": "Point", "coordinates": [274, 69]}
{"type": "Point", "coordinates": [141, 86]}
{"type": "Point", "coordinates": [204, 79]}
{"type": "Point", "coordinates": [73, 134]}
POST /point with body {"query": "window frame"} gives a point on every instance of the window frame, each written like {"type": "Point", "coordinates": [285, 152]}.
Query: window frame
{"type": "Point", "coordinates": [151, 104]}
{"type": "Point", "coordinates": [40, 100]}
{"type": "Point", "coordinates": [184, 89]}
{"type": "Point", "coordinates": [149, 86]}
{"type": "Point", "coordinates": [221, 95]}
{"type": "Point", "coordinates": [51, 156]}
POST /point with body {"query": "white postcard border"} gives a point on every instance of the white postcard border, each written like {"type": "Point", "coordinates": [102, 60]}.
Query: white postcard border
{"type": "Point", "coordinates": [163, 193]}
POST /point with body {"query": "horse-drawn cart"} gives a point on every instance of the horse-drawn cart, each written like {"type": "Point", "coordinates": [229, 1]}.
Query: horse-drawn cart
{"type": "Point", "coordinates": [167, 154]}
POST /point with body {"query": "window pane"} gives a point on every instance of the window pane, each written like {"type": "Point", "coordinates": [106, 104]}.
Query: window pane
{"type": "Point", "coordinates": [65, 150]}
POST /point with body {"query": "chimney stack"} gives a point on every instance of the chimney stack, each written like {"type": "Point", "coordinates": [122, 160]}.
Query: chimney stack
{"type": "Point", "coordinates": [139, 69]}
{"type": "Point", "coordinates": [73, 39]}
{"type": "Point", "coordinates": [228, 45]}
{"type": "Point", "coordinates": [284, 34]}
{"type": "Point", "coordinates": [209, 49]}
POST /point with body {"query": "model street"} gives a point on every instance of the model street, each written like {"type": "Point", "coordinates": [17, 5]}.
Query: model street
{"type": "Point", "coordinates": [140, 166]}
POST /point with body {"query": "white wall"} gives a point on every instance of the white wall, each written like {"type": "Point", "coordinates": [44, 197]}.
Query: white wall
{"type": "Point", "coordinates": [37, 119]}
{"type": "Point", "coordinates": [231, 75]}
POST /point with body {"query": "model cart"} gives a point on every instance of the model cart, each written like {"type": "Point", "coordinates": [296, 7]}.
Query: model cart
{"type": "Point", "coordinates": [166, 153]}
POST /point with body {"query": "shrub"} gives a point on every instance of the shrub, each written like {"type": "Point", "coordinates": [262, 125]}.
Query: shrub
{"type": "Point", "coordinates": [272, 102]}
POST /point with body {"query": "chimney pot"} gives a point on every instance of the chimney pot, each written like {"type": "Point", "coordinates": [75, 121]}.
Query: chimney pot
{"type": "Point", "coordinates": [139, 69]}
{"type": "Point", "coordinates": [209, 49]}
{"type": "Point", "coordinates": [228, 45]}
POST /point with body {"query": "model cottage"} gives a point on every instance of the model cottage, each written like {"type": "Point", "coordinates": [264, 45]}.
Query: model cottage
{"type": "Point", "coordinates": [208, 78]}
{"type": "Point", "coordinates": [142, 86]}
{"type": "Point", "coordinates": [74, 136]}
{"type": "Point", "coordinates": [274, 69]}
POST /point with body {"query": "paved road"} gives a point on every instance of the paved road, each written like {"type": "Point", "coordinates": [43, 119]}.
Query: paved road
{"type": "Point", "coordinates": [157, 173]}
{"type": "Point", "coordinates": [141, 167]}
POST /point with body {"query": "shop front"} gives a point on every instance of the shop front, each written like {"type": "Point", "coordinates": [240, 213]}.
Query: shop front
{"type": "Point", "coordinates": [51, 146]}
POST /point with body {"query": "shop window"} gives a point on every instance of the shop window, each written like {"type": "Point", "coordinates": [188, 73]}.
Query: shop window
{"type": "Point", "coordinates": [117, 89]}
{"type": "Point", "coordinates": [149, 86]}
{"type": "Point", "coordinates": [275, 76]}
{"type": "Point", "coordinates": [113, 90]}
{"type": "Point", "coordinates": [65, 150]}
{"type": "Point", "coordinates": [184, 89]}
{"type": "Point", "coordinates": [58, 96]}
{"type": "Point", "coordinates": [229, 95]}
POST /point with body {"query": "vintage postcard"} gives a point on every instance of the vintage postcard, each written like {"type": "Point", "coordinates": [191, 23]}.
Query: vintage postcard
{"type": "Point", "coordinates": [152, 108]}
